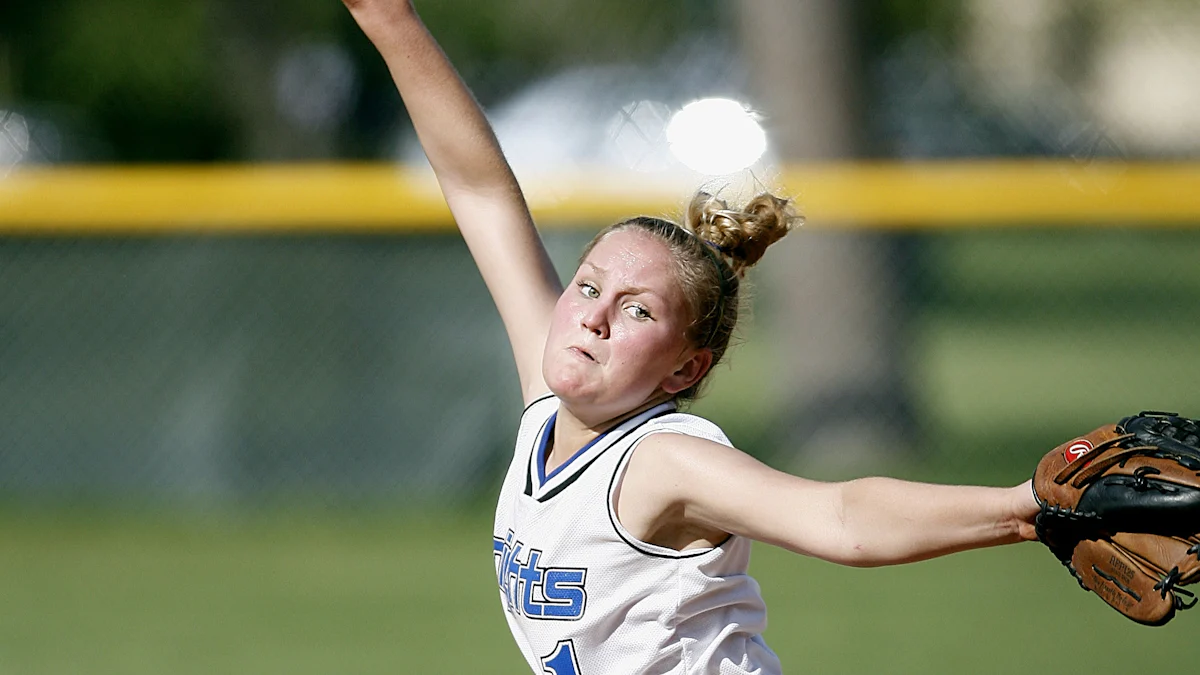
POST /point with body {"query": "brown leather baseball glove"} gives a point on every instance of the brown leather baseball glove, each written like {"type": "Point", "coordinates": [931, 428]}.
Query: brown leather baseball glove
{"type": "Point", "coordinates": [1121, 509]}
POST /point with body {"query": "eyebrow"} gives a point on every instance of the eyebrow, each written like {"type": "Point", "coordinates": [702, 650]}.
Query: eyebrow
{"type": "Point", "coordinates": [632, 290]}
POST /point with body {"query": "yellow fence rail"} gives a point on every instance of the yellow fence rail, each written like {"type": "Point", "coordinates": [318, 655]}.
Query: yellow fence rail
{"type": "Point", "coordinates": [335, 198]}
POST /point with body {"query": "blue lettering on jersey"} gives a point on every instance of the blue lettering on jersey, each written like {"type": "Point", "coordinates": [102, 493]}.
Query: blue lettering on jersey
{"type": "Point", "coordinates": [561, 661]}
{"type": "Point", "coordinates": [536, 591]}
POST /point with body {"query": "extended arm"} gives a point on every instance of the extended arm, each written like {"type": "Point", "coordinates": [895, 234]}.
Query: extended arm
{"type": "Point", "coordinates": [475, 178]}
{"type": "Point", "coordinates": [863, 523]}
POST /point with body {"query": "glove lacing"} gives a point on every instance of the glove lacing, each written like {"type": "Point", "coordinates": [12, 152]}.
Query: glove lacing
{"type": "Point", "coordinates": [1167, 585]}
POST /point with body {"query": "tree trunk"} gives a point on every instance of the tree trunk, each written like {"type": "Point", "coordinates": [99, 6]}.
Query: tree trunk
{"type": "Point", "coordinates": [834, 304]}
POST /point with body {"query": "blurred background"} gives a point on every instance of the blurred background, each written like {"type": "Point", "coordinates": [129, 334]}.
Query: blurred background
{"type": "Point", "coordinates": [255, 399]}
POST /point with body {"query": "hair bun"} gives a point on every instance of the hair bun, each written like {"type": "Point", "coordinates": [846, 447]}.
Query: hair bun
{"type": "Point", "coordinates": [742, 236]}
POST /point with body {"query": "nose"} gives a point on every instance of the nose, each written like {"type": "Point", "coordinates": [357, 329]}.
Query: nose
{"type": "Point", "coordinates": [595, 319]}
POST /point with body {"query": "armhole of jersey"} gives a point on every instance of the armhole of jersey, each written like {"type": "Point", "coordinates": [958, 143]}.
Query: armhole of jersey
{"type": "Point", "coordinates": [534, 402]}
{"type": "Point", "coordinates": [647, 548]}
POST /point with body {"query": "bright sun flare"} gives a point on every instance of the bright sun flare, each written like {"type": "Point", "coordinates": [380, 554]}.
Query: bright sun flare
{"type": "Point", "coordinates": [716, 136]}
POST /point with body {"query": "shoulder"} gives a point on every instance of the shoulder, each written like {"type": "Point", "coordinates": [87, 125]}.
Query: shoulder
{"type": "Point", "coordinates": [691, 462]}
{"type": "Point", "coordinates": [683, 424]}
{"type": "Point", "coordinates": [659, 482]}
{"type": "Point", "coordinates": [679, 452]}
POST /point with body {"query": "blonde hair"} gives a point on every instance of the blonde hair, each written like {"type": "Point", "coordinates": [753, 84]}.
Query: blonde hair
{"type": "Point", "coordinates": [713, 249]}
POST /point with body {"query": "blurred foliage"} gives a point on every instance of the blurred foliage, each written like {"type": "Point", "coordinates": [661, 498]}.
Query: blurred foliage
{"type": "Point", "coordinates": [148, 80]}
{"type": "Point", "coordinates": [152, 80]}
{"type": "Point", "coordinates": [528, 37]}
{"type": "Point", "coordinates": [891, 21]}
{"type": "Point", "coordinates": [135, 71]}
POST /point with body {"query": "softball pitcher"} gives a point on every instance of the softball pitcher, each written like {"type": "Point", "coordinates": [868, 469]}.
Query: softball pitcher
{"type": "Point", "coordinates": [623, 528]}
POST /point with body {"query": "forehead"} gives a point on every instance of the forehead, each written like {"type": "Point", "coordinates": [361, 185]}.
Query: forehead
{"type": "Point", "coordinates": [634, 257]}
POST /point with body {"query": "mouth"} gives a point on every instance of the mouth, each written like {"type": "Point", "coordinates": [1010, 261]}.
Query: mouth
{"type": "Point", "coordinates": [583, 353]}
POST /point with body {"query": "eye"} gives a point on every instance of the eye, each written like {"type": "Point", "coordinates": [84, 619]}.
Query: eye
{"type": "Point", "coordinates": [588, 290]}
{"type": "Point", "coordinates": [638, 312]}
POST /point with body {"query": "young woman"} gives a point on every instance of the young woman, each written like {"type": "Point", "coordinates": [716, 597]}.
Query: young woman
{"type": "Point", "coordinates": [623, 528]}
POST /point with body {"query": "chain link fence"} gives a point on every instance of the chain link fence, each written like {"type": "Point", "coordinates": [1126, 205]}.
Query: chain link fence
{"type": "Point", "coordinates": [363, 368]}
{"type": "Point", "coordinates": [236, 368]}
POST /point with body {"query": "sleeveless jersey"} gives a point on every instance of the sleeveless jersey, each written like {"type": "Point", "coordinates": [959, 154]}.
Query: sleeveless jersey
{"type": "Point", "coordinates": [584, 597]}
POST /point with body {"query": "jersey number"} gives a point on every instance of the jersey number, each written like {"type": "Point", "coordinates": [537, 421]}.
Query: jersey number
{"type": "Point", "coordinates": [562, 660]}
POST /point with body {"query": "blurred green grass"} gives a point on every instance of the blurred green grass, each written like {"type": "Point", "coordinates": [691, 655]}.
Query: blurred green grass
{"type": "Point", "coordinates": [284, 593]}
{"type": "Point", "coordinates": [375, 593]}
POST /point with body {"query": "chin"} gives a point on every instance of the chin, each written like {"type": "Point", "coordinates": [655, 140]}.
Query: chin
{"type": "Point", "coordinates": [567, 385]}
{"type": "Point", "coordinates": [571, 392]}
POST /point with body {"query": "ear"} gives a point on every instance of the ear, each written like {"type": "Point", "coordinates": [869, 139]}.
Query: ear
{"type": "Point", "coordinates": [689, 372]}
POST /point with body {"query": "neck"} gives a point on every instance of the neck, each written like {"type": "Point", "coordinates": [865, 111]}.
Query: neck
{"type": "Point", "coordinates": [573, 431]}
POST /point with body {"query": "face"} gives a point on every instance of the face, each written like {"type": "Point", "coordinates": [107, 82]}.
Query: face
{"type": "Point", "coordinates": [618, 336]}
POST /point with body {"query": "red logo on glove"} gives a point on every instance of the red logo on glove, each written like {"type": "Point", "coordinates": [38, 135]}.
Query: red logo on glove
{"type": "Point", "coordinates": [1077, 449]}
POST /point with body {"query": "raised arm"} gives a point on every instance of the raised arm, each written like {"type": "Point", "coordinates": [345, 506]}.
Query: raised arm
{"type": "Point", "coordinates": [480, 189]}
{"type": "Point", "coordinates": [863, 523]}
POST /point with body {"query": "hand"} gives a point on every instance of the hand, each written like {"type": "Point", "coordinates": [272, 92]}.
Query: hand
{"type": "Point", "coordinates": [373, 16]}
{"type": "Point", "coordinates": [1024, 510]}
{"type": "Point", "coordinates": [362, 5]}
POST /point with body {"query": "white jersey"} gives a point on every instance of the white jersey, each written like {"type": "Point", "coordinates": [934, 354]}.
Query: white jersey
{"type": "Point", "coordinates": [584, 597]}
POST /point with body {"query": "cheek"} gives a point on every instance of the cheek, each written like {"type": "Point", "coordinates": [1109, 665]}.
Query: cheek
{"type": "Point", "coordinates": [564, 312]}
{"type": "Point", "coordinates": [644, 345]}
{"type": "Point", "coordinates": [631, 337]}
